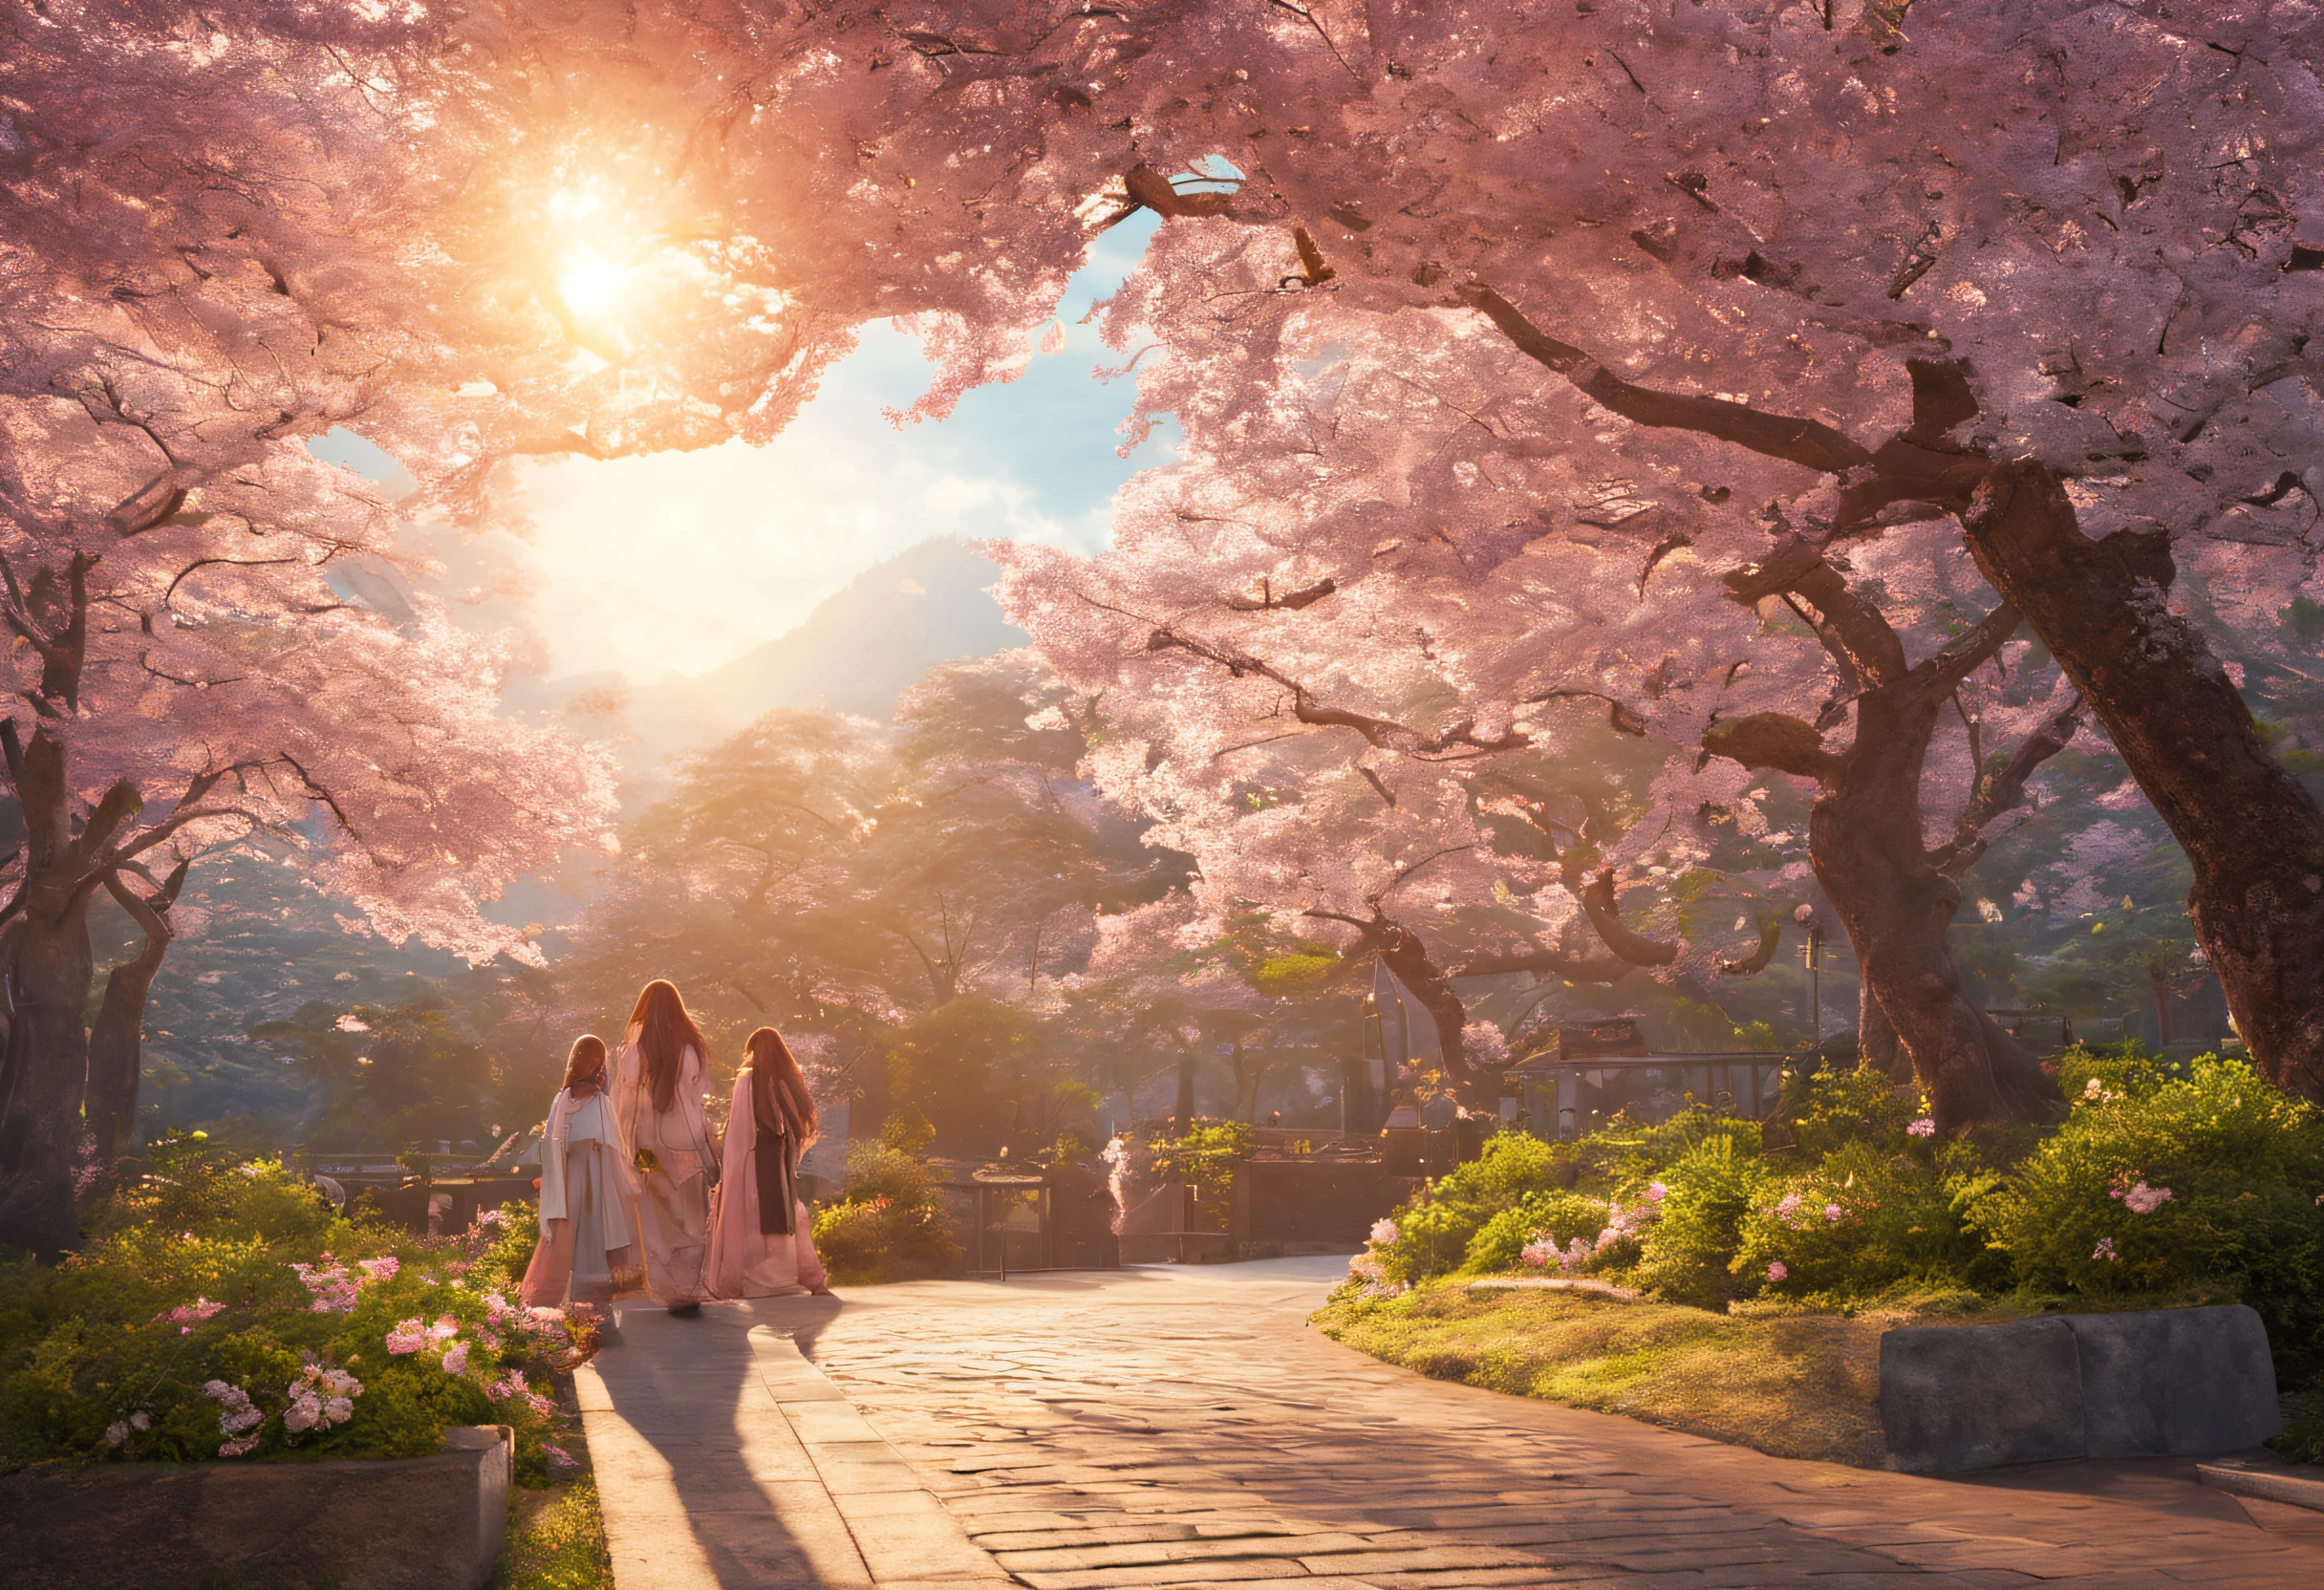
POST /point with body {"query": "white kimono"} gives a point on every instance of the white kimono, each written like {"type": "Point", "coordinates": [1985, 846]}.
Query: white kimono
{"type": "Point", "coordinates": [589, 1242]}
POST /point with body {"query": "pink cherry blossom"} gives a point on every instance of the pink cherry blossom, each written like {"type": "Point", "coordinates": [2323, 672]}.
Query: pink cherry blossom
{"type": "Point", "coordinates": [1778, 1271]}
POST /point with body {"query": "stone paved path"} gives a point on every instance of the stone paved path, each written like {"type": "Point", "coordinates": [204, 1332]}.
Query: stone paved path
{"type": "Point", "coordinates": [1166, 1426]}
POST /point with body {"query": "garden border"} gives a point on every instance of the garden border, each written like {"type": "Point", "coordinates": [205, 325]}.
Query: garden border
{"type": "Point", "coordinates": [414, 1523]}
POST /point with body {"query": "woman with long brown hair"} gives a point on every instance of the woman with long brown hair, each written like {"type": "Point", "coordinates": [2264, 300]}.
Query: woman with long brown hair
{"type": "Point", "coordinates": [657, 1104]}
{"type": "Point", "coordinates": [588, 1246]}
{"type": "Point", "coordinates": [759, 1245]}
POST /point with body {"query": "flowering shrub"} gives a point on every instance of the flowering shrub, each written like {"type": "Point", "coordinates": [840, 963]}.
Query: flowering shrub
{"type": "Point", "coordinates": [889, 1225]}
{"type": "Point", "coordinates": [1712, 1188]}
{"type": "Point", "coordinates": [221, 1309]}
{"type": "Point", "coordinates": [2206, 1182]}
{"type": "Point", "coordinates": [1435, 1231]}
{"type": "Point", "coordinates": [2178, 1183]}
{"type": "Point", "coordinates": [1863, 1220]}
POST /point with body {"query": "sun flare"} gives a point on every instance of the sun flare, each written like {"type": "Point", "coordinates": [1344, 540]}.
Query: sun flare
{"type": "Point", "coordinates": [590, 284]}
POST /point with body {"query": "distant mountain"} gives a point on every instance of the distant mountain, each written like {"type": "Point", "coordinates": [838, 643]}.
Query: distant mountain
{"type": "Point", "coordinates": [272, 945]}
{"type": "Point", "coordinates": [857, 652]}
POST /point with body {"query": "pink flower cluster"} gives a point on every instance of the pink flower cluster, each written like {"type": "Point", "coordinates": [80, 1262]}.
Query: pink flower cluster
{"type": "Point", "coordinates": [1384, 1231]}
{"type": "Point", "coordinates": [545, 1323]}
{"type": "Point", "coordinates": [1779, 1272]}
{"type": "Point", "coordinates": [320, 1398]}
{"type": "Point", "coordinates": [335, 1288]}
{"type": "Point", "coordinates": [2143, 1199]}
{"type": "Point", "coordinates": [1924, 1127]}
{"type": "Point", "coordinates": [118, 1433]}
{"type": "Point", "coordinates": [235, 1416]}
{"type": "Point", "coordinates": [512, 1384]}
{"type": "Point", "coordinates": [2105, 1250]}
{"type": "Point", "coordinates": [411, 1335]}
{"type": "Point", "coordinates": [186, 1316]}
{"type": "Point", "coordinates": [1366, 1268]}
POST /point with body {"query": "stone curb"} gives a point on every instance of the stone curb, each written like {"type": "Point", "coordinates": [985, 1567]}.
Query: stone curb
{"type": "Point", "coordinates": [724, 1458]}
{"type": "Point", "coordinates": [2267, 1484]}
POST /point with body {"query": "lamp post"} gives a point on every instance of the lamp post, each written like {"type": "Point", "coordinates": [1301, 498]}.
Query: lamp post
{"type": "Point", "coordinates": [1810, 957]}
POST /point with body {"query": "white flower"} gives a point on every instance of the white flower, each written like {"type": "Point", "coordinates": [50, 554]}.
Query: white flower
{"type": "Point", "coordinates": [117, 1432]}
{"type": "Point", "coordinates": [1384, 1231]}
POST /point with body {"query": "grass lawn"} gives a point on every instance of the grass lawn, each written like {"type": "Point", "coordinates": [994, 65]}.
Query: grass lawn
{"type": "Point", "coordinates": [1795, 1385]}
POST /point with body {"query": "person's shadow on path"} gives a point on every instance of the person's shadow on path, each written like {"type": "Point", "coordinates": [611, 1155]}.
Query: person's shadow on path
{"type": "Point", "coordinates": [708, 1462]}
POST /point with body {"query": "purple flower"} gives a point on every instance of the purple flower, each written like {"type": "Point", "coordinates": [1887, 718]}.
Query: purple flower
{"type": "Point", "coordinates": [2105, 1250]}
{"type": "Point", "coordinates": [1832, 1213]}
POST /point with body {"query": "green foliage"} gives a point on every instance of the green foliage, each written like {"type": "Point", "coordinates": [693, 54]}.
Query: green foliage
{"type": "Point", "coordinates": [1293, 973]}
{"type": "Point", "coordinates": [1207, 1155]}
{"type": "Point", "coordinates": [888, 1224]}
{"type": "Point", "coordinates": [1559, 1215]}
{"type": "Point", "coordinates": [1862, 1221]}
{"type": "Point", "coordinates": [189, 1278]}
{"type": "Point", "coordinates": [2243, 1166]}
{"type": "Point", "coordinates": [558, 1546]}
{"type": "Point", "coordinates": [1434, 1230]}
{"type": "Point", "coordinates": [1689, 1251]}
{"type": "Point", "coordinates": [1835, 1108]}
{"type": "Point", "coordinates": [1207, 1158]}
{"type": "Point", "coordinates": [408, 1074]}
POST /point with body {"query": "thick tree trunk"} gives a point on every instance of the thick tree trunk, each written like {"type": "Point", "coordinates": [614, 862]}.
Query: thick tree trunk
{"type": "Point", "coordinates": [1182, 1118]}
{"type": "Point", "coordinates": [117, 1039]}
{"type": "Point", "coordinates": [1866, 843]}
{"type": "Point", "coordinates": [1876, 1043]}
{"type": "Point", "coordinates": [2251, 832]}
{"type": "Point", "coordinates": [48, 971]}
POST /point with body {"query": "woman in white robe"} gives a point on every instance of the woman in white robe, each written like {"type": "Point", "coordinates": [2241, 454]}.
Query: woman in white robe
{"type": "Point", "coordinates": [659, 1079]}
{"type": "Point", "coordinates": [589, 1245]}
{"type": "Point", "coordinates": [760, 1242]}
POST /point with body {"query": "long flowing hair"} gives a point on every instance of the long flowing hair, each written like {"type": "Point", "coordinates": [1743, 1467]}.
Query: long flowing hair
{"type": "Point", "coordinates": [776, 1079]}
{"type": "Point", "coordinates": [665, 1034]}
{"type": "Point", "coordinates": [585, 1065]}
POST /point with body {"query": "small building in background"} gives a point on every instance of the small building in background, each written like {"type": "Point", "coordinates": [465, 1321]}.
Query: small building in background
{"type": "Point", "coordinates": [1599, 1070]}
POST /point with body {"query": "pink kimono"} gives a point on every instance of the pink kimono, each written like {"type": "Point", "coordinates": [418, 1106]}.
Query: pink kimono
{"type": "Point", "coordinates": [744, 1261]}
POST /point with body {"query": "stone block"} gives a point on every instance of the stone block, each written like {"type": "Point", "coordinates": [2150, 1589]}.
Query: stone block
{"type": "Point", "coordinates": [1960, 1397]}
{"type": "Point", "coordinates": [2174, 1381]}
{"type": "Point", "coordinates": [2147, 1383]}
{"type": "Point", "coordinates": [418, 1523]}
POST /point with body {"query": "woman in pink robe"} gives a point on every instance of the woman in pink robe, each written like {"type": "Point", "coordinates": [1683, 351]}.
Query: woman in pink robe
{"type": "Point", "coordinates": [759, 1245]}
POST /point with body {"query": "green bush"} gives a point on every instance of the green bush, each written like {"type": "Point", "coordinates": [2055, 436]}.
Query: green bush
{"type": "Point", "coordinates": [1865, 1220]}
{"type": "Point", "coordinates": [2242, 1166]}
{"type": "Point", "coordinates": [211, 1285]}
{"type": "Point", "coordinates": [1207, 1157]}
{"type": "Point", "coordinates": [889, 1223]}
{"type": "Point", "coordinates": [1434, 1231]}
{"type": "Point", "coordinates": [1558, 1216]}
{"type": "Point", "coordinates": [1847, 1198]}
{"type": "Point", "coordinates": [1688, 1251]}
